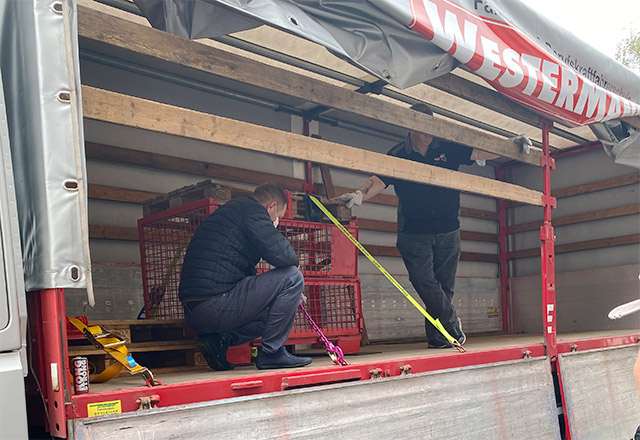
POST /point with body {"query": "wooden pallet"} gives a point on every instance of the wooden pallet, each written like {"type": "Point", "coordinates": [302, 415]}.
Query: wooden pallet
{"type": "Point", "coordinates": [153, 343]}
{"type": "Point", "coordinates": [223, 192]}
{"type": "Point", "coordinates": [210, 188]}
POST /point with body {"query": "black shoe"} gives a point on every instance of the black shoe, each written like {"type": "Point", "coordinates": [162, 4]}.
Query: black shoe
{"type": "Point", "coordinates": [457, 333]}
{"type": "Point", "coordinates": [438, 341]}
{"type": "Point", "coordinates": [280, 359]}
{"type": "Point", "coordinates": [214, 349]}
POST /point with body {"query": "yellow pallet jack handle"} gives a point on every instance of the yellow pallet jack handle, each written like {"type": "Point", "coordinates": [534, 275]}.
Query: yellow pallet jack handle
{"type": "Point", "coordinates": [436, 322]}
{"type": "Point", "coordinates": [114, 347]}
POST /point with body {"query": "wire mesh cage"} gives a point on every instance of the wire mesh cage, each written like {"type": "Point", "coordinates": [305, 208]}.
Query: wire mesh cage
{"type": "Point", "coordinates": [322, 249]}
{"type": "Point", "coordinates": [334, 305]}
{"type": "Point", "coordinates": [164, 238]}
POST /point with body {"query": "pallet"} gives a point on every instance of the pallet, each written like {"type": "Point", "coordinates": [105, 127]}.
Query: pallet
{"type": "Point", "coordinates": [222, 192]}
{"type": "Point", "coordinates": [210, 188]}
{"type": "Point", "coordinates": [161, 343]}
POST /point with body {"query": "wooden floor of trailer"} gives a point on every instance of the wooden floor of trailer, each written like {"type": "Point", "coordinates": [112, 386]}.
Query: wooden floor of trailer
{"type": "Point", "coordinates": [370, 354]}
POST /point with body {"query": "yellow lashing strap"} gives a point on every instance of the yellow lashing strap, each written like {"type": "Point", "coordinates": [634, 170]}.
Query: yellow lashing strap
{"type": "Point", "coordinates": [114, 347]}
{"type": "Point", "coordinates": [436, 322]}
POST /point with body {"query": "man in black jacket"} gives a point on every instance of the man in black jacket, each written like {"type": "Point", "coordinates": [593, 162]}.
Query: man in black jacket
{"type": "Point", "coordinates": [225, 302]}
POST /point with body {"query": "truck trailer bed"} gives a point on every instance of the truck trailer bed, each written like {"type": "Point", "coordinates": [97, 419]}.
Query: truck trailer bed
{"type": "Point", "coordinates": [481, 349]}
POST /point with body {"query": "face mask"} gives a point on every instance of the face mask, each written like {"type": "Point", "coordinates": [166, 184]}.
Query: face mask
{"type": "Point", "coordinates": [276, 222]}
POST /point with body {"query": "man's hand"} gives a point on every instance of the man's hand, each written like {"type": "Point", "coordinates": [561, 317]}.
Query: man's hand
{"type": "Point", "coordinates": [303, 299]}
{"type": "Point", "coordinates": [351, 199]}
{"type": "Point", "coordinates": [524, 142]}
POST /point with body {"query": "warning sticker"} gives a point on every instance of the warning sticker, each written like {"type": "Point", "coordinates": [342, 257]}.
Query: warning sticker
{"type": "Point", "coordinates": [104, 408]}
{"type": "Point", "coordinates": [493, 312]}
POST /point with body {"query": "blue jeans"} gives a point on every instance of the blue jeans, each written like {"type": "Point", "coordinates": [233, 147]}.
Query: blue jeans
{"type": "Point", "coordinates": [260, 305]}
{"type": "Point", "coordinates": [432, 260]}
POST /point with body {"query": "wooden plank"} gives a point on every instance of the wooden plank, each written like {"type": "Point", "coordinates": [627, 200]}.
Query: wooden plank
{"type": "Point", "coordinates": [476, 93]}
{"type": "Point", "coordinates": [585, 188]}
{"type": "Point", "coordinates": [581, 246]}
{"type": "Point", "coordinates": [478, 213]}
{"type": "Point", "coordinates": [472, 92]}
{"type": "Point", "coordinates": [108, 323]}
{"type": "Point", "coordinates": [172, 163]}
{"type": "Point", "coordinates": [384, 226]}
{"type": "Point", "coordinates": [104, 192]}
{"type": "Point", "coordinates": [139, 347]}
{"type": "Point", "coordinates": [140, 113]}
{"type": "Point", "coordinates": [102, 32]}
{"type": "Point", "coordinates": [101, 232]}
{"type": "Point", "coordinates": [327, 180]}
{"type": "Point", "coordinates": [633, 121]}
{"type": "Point", "coordinates": [113, 233]}
{"type": "Point", "coordinates": [614, 182]}
{"type": "Point", "coordinates": [391, 251]}
{"type": "Point", "coordinates": [579, 218]}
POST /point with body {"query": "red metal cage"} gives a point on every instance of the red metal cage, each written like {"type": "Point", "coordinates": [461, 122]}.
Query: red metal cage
{"type": "Point", "coordinates": [335, 306]}
{"type": "Point", "coordinates": [164, 238]}
{"type": "Point", "coordinates": [323, 251]}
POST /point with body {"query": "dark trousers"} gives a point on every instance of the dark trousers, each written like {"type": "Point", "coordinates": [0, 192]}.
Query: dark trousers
{"type": "Point", "coordinates": [432, 260]}
{"type": "Point", "coordinates": [261, 305]}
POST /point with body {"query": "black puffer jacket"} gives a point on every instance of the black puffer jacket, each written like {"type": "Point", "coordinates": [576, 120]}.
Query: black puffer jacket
{"type": "Point", "coordinates": [227, 246]}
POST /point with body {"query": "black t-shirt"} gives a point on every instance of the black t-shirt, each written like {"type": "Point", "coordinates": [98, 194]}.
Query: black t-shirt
{"type": "Point", "coordinates": [426, 209]}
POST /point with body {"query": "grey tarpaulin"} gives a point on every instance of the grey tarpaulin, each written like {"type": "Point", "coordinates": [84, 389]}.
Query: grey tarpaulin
{"type": "Point", "coordinates": [354, 30]}
{"type": "Point", "coordinates": [40, 72]}
{"type": "Point", "coordinates": [381, 37]}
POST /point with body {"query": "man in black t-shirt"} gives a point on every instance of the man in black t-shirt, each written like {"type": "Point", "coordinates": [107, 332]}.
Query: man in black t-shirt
{"type": "Point", "coordinates": [428, 225]}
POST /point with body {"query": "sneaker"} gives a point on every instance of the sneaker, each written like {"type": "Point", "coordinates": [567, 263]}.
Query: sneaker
{"type": "Point", "coordinates": [214, 349]}
{"type": "Point", "coordinates": [438, 341]}
{"type": "Point", "coordinates": [280, 359]}
{"type": "Point", "coordinates": [456, 332]}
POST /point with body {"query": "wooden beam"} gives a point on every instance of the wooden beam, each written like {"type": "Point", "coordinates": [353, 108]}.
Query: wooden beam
{"type": "Point", "coordinates": [385, 226]}
{"type": "Point", "coordinates": [391, 251]}
{"type": "Point", "coordinates": [614, 182]}
{"type": "Point", "coordinates": [172, 163]}
{"type": "Point", "coordinates": [188, 166]}
{"type": "Point", "coordinates": [472, 92]}
{"type": "Point", "coordinates": [329, 189]}
{"type": "Point", "coordinates": [141, 44]}
{"type": "Point", "coordinates": [579, 218]}
{"type": "Point", "coordinates": [140, 113]}
{"type": "Point", "coordinates": [104, 192]}
{"type": "Point", "coordinates": [633, 121]}
{"type": "Point", "coordinates": [113, 233]}
{"type": "Point", "coordinates": [131, 234]}
{"type": "Point", "coordinates": [581, 246]}
{"type": "Point", "coordinates": [585, 188]}
{"type": "Point", "coordinates": [126, 195]}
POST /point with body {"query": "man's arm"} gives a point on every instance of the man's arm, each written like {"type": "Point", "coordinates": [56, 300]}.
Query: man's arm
{"type": "Point", "coordinates": [372, 187]}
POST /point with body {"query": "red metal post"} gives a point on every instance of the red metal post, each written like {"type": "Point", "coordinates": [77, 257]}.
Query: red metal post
{"type": "Point", "coordinates": [547, 240]}
{"type": "Point", "coordinates": [548, 267]}
{"type": "Point", "coordinates": [55, 354]}
{"type": "Point", "coordinates": [504, 256]}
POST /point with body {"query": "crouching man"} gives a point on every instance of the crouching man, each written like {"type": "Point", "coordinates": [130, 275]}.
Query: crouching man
{"type": "Point", "coordinates": [224, 301]}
